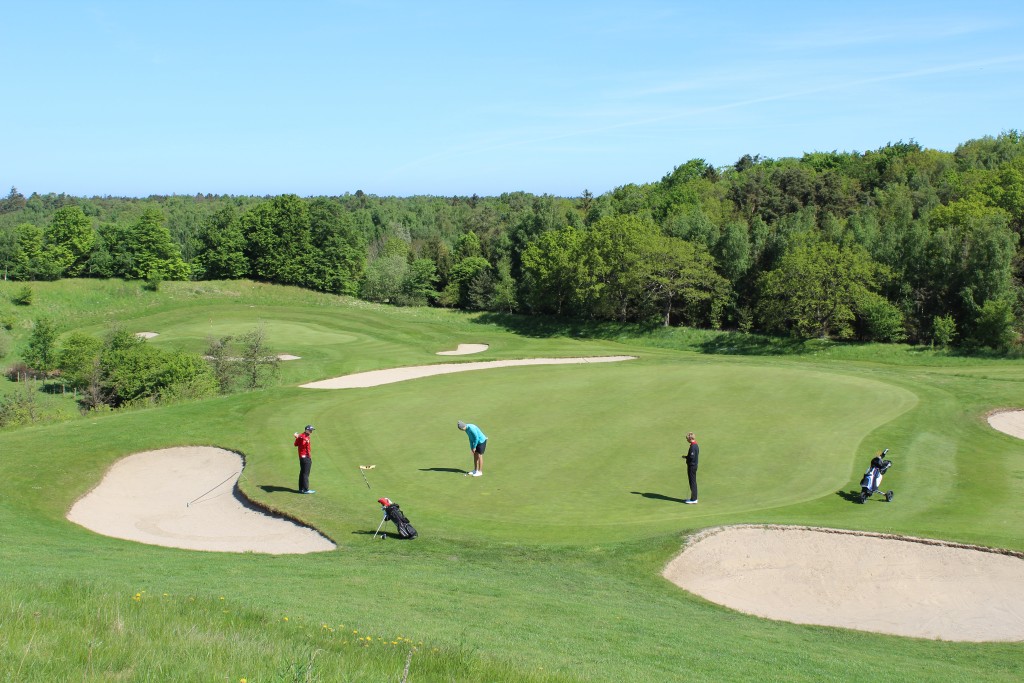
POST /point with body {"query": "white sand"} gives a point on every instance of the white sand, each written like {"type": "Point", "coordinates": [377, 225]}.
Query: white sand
{"type": "Point", "coordinates": [146, 335]}
{"type": "Point", "coordinates": [868, 582]}
{"type": "Point", "coordinates": [375, 378]}
{"type": "Point", "coordinates": [147, 497]}
{"type": "Point", "coordinates": [1008, 421]}
{"type": "Point", "coordinates": [287, 356]}
{"type": "Point", "coordinates": [465, 349]}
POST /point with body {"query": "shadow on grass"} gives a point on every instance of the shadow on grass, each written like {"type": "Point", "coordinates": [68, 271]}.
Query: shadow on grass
{"type": "Point", "coordinates": [739, 344]}
{"type": "Point", "coordinates": [385, 534]}
{"type": "Point", "coordinates": [852, 496]}
{"type": "Point", "coordinates": [453, 470]}
{"type": "Point", "coordinates": [278, 489]}
{"type": "Point", "coordinates": [657, 496]}
{"type": "Point", "coordinates": [714, 342]}
{"type": "Point", "coordinates": [543, 326]}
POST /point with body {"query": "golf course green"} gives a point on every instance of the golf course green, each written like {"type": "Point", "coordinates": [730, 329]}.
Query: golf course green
{"type": "Point", "coordinates": [547, 568]}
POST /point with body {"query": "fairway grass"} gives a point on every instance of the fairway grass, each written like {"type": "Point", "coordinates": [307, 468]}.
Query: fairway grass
{"type": "Point", "coordinates": [547, 568]}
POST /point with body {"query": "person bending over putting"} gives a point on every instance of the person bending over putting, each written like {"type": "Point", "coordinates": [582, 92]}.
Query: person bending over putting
{"type": "Point", "coordinates": [477, 444]}
{"type": "Point", "coordinates": [305, 459]}
{"type": "Point", "coordinates": [691, 467]}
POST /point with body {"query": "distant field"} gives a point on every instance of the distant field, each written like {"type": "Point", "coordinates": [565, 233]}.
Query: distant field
{"type": "Point", "coordinates": [546, 568]}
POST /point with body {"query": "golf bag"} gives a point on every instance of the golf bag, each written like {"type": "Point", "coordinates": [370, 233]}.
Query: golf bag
{"type": "Point", "coordinates": [394, 514]}
{"type": "Point", "coordinates": [872, 481]}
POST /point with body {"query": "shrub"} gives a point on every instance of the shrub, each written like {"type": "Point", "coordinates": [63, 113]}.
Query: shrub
{"type": "Point", "coordinates": [152, 283]}
{"type": "Point", "coordinates": [41, 353]}
{"type": "Point", "coordinates": [23, 297]}
{"type": "Point", "coordinates": [995, 323]}
{"type": "Point", "coordinates": [881, 320]}
{"type": "Point", "coordinates": [78, 358]}
{"type": "Point", "coordinates": [19, 372]}
{"type": "Point", "coordinates": [21, 407]}
{"type": "Point", "coordinates": [943, 330]}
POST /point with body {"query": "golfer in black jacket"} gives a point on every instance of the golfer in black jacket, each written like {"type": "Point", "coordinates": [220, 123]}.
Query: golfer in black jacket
{"type": "Point", "coordinates": [691, 467]}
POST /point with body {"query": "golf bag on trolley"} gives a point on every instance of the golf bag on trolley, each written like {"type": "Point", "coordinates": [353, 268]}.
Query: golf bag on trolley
{"type": "Point", "coordinates": [872, 480]}
{"type": "Point", "coordinates": [394, 514]}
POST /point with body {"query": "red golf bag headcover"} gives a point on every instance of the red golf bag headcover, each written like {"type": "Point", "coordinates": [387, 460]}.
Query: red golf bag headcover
{"type": "Point", "coordinates": [384, 502]}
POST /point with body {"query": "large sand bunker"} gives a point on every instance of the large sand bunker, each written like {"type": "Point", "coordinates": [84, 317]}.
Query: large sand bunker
{"type": "Point", "coordinates": [1009, 422]}
{"type": "Point", "coordinates": [868, 582]}
{"type": "Point", "coordinates": [185, 498]}
{"type": "Point", "coordinates": [375, 378]}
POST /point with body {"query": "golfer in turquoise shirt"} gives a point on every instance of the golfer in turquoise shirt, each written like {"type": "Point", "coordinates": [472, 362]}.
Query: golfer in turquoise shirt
{"type": "Point", "coordinates": [477, 444]}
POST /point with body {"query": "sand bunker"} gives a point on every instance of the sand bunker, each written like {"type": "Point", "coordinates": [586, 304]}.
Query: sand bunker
{"type": "Point", "coordinates": [868, 582]}
{"type": "Point", "coordinates": [146, 335]}
{"type": "Point", "coordinates": [375, 378]}
{"type": "Point", "coordinates": [287, 356]}
{"type": "Point", "coordinates": [1009, 422]}
{"type": "Point", "coordinates": [465, 349]}
{"type": "Point", "coordinates": [148, 497]}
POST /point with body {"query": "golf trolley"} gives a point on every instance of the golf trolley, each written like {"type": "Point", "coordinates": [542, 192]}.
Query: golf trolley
{"type": "Point", "coordinates": [394, 513]}
{"type": "Point", "coordinates": [872, 480]}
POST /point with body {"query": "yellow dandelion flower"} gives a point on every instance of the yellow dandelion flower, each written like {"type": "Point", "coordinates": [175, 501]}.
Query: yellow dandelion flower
{"type": "Point", "coordinates": [285, 619]}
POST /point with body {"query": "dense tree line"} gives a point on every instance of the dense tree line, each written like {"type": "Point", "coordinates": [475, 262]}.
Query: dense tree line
{"type": "Point", "coordinates": [898, 243]}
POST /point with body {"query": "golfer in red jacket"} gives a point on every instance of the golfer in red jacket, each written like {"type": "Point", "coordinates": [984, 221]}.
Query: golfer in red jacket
{"type": "Point", "coordinates": [305, 460]}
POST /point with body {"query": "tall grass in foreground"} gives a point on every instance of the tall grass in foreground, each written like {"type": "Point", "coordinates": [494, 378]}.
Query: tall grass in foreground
{"type": "Point", "coordinates": [73, 631]}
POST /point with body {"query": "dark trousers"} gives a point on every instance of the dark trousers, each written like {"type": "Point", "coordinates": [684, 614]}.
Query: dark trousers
{"type": "Point", "coordinates": [691, 474]}
{"type": "Point", "coordinates": [304, 465]}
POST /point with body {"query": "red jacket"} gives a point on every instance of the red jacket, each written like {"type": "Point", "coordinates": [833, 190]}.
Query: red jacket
{"type": "Point", "coordinates": [302, 441]}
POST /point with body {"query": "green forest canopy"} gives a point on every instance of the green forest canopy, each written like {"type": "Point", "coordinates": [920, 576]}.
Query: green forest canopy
{"type": "Point", "coordinates": [898, 243]}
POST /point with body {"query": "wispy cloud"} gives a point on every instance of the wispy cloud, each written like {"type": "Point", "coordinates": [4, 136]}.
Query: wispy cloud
{"type": "Point", "coordinates": [508, 140]}
{"type": "Point", "coordinates": [932, 30]}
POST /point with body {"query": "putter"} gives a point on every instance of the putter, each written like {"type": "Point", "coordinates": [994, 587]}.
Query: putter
{"type": "Point", "coordinates": [361, 469]}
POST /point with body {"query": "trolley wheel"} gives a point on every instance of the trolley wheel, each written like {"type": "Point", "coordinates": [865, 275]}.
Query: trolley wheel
{"type": "Point", "coordinates": [863, 496]}
{"type": "Point", "coordinates": [888, 496]}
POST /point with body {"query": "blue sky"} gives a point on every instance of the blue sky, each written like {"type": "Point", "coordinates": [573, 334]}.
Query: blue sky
{"type": "Point", "coordinates": [461, 98]}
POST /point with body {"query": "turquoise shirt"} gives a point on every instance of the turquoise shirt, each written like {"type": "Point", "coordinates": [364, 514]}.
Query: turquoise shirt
{"type": "Point", "coordinates": [476, 437]}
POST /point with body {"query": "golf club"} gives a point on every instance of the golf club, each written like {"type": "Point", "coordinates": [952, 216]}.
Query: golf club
{"type": "Point", "coordinates": [189, 504]}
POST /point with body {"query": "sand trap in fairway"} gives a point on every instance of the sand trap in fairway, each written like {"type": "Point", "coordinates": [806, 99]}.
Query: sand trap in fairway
{"type": "Point", "coordinates": [1009, 422]}
{"type": "Point", "coordinates": [143, 498]}
{"type": "Point", "coordinates": [146, 335]}
{"type": "Point", "coordinates": [375, 378]}
{"type": "Point", "coordinates": [465, 349]}
{"type": "Point", "coordinates": [868, 582]}
{"type": "Point", "coordinates": [287, 356]}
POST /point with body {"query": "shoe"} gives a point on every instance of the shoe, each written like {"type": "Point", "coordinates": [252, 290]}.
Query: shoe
{"type": "Point", "coordinates": [309, 491]}
{"type": "Point", "coordinates": [477, 474]}
{"type": "Point", "coordinates": [471, 474]}
{"type": "Point", "coordinates": [690, 502]}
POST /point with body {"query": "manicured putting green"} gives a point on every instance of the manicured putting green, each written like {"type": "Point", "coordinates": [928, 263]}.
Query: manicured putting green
{"type": "Point", "coordinates": [587, 452]}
